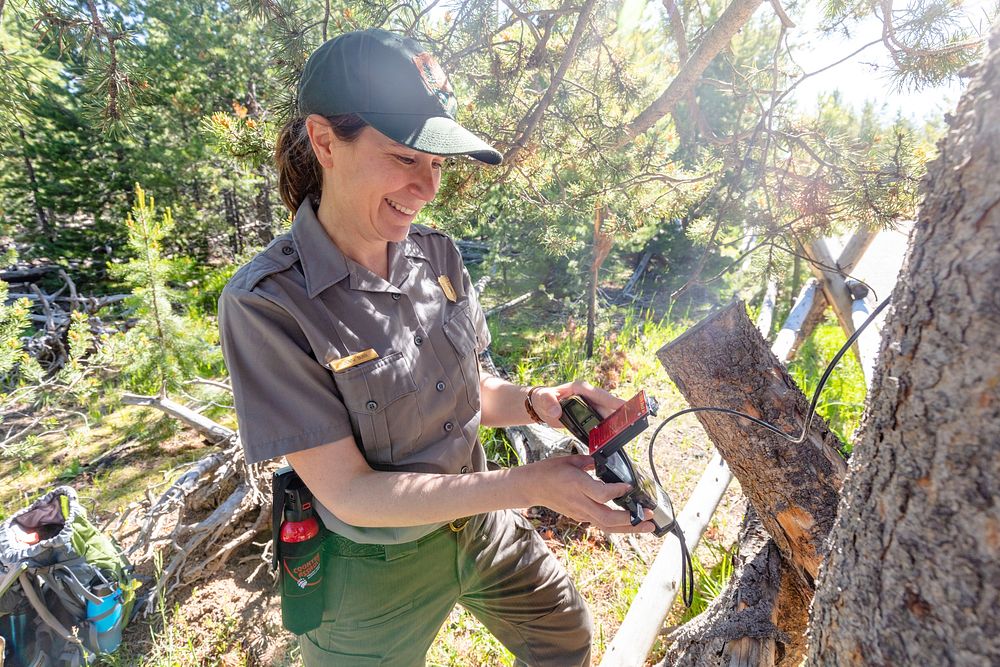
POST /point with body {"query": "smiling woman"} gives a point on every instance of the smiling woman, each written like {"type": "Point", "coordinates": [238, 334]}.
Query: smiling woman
{"type": "Point", "coordinates": [353, 342]}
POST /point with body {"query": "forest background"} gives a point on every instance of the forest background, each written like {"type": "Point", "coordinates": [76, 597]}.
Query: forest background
{"type": "Point", "coordinates": [675, 126]}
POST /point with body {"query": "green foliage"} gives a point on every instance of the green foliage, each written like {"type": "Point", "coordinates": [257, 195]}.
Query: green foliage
{"type": "Point", "coordinates": [709, 583]}
{"type": "Point", "coordinates": [13, 324]}
{"type": "Point", "coordinates": [843, 399]}
{"type": "Point", "coordinates": [163, 348]}
{"type": "Point", "coordinates": [244, 139]}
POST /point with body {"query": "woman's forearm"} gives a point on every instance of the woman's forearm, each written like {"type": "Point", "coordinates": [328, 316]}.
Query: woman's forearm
{"type": "Point", "coordinates": [345, 484]}
{"type": "Point", "coordinates": [502, 402]}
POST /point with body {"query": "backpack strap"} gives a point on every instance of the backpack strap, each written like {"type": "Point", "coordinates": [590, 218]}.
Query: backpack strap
{"type": "Point", "coordinates": [31, 593]}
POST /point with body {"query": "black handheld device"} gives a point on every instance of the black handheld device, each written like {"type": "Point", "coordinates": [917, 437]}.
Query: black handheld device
{"type": "Point", "coordinates": [612, 464]}
{"type": "Point", "coordinates": [605, 439]}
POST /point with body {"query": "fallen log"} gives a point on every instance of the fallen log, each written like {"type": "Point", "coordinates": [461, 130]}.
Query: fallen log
{"type": "Point", "coordinates": [723, 361]}
{"type": "Point", "coordinates": [628, 292]}
{"type": "Point", "coordinates": [27, 275]}
{"type": "Point", "coordinates": [208, 428]}
{"type": "Point", "coordinates": [220, 482]}
{"type": "Point", "coordinates": [496, 310]}
{"type": "Point", "coordinates": [755, 621]}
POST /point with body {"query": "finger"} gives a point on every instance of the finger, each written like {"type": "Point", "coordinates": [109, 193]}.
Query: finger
{"type": "Point", "coordinates": [603, 401]}
{"type": "Point", "coordinates": [581, 461]}
{"type": "Point", "coordinates": [643, 527]}
{"type": "Point", "coordinates": [613, 519]}
{"type": "Point", "coordinates": [603, 492]}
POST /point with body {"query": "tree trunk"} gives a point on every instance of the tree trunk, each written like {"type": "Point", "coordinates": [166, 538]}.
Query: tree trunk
{"type": "Point", "coordinates": [40, 216]}
{"type": "Point", "coordinates": [914, 572]}
{"type": "Point", "coordinates": [759, 619]}
{"type": "Point", "coordinates": [723, 361]}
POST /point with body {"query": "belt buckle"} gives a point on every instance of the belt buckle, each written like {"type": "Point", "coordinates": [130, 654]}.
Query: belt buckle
{"type": "Point", "coordinates": [458, 525]}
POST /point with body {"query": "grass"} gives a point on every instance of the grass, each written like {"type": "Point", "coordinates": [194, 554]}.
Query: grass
{"type": "Point", "coordinates": [842, 401]}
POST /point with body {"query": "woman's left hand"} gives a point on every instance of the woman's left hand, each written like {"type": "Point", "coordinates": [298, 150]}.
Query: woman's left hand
{"type": "Point", "coordinates": [545, 400]}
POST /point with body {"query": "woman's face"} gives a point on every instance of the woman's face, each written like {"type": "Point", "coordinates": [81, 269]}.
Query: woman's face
{"type": "Point", "coordinates": [378, 186]}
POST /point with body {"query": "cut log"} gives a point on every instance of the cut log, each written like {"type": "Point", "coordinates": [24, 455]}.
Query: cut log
{"type": "Point", "coordinates": [723, 361]}
{"type": "Point", "coordinates": [822, 265]}
{"type": "Point", "coordinates": [796, 330]}
{"type": "Point", "coordinates": [870, 339]}
{"type": "Point", "coordinates": [638, 631]}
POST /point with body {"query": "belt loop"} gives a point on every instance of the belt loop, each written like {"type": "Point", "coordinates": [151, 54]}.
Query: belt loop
{"type": "Point", "coordinates": [394, 551]}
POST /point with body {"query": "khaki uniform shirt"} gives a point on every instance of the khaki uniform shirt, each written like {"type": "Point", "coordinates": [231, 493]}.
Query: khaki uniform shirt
{"type": "Point", "coordinates": [320, 348]}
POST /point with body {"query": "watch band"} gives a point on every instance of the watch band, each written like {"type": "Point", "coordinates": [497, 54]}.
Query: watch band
{"type": "Point", "coordinates": [529, 408]}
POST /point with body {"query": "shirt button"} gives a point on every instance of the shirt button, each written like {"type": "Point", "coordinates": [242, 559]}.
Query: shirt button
{"type": "Point", "coordinates": [395, 296]}
{"type": "Point", "coordinates": [465, 469]}
{"type": "Point", "coordinates": [371, 405]}
{"type": "Point", "coordinates": [288, 250]}
{"type": "Point", "coordinates": [448, 426]}
{"type": "Point", "coordinates": [418, 340]}
{"type": "Point", "coordinates": [439, 386]}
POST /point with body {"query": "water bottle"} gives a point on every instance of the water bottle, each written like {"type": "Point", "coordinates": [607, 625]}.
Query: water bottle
{"type": "Point", "coordinates": [106, 616]}
{"type": "Point", "coordinates": [301, 554]}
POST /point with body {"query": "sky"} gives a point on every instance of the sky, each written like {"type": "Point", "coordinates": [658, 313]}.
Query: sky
{"type": "Point", "coordinates": [864, 77]}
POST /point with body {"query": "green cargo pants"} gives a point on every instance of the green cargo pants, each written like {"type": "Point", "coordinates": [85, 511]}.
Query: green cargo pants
{"type": "Point", "coordinates": [385, 604]}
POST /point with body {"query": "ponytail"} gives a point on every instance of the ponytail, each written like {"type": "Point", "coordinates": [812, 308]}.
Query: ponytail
{"type": "Point", "coordinates": [299, 172]}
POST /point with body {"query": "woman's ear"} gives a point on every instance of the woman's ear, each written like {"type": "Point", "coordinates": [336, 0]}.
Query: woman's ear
{"type": "Point", "coordinates": [322, 138]}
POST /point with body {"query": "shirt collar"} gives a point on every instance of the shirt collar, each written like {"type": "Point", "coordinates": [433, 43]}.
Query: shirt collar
{"type": "Point", "coordinates": [323, 263]}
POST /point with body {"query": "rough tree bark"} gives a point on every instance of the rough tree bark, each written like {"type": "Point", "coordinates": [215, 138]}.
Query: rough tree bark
{"type": "Point", "coordinates": [723, 361]}
{"type": "Point", "coordinates": [914, 569]}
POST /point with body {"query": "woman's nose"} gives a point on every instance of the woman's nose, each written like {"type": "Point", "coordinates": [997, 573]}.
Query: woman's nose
{"type": "Point", "coordinates": [426, 182]}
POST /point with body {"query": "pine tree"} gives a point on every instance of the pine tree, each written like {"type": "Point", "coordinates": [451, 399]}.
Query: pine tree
{"type": "Point", "coordinates": [164, 347]}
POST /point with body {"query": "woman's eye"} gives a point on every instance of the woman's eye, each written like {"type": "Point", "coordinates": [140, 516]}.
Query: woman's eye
{"type": "Point", "coordinates": [405, 160]}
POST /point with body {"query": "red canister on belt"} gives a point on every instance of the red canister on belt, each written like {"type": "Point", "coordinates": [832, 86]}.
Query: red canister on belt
{"type": "Point", "coordinates": [299, 549]}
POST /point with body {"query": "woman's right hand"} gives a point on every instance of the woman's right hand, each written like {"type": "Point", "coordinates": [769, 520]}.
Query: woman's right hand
{"type": "Point", "coordinates": [563, 485]}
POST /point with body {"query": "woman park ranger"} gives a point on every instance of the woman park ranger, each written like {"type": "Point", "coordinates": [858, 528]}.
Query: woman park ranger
{"type": "Point", "coordinates": [352, 342]}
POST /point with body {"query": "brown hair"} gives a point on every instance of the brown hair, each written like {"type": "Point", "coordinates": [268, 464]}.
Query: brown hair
{"type": "Point", "coordinates": [299, 173]}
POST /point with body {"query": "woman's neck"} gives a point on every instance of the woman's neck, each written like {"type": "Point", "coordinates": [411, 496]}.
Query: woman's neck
{"type": "Point", "coordinates": [373, 255]}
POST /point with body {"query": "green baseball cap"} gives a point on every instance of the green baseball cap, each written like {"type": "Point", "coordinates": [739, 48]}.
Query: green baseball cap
{"type": "Point", "coordinates": [396, 86]}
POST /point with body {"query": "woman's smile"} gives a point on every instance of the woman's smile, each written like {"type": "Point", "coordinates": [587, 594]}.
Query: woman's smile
{"type": "Point", "coordinates": [400, 208]}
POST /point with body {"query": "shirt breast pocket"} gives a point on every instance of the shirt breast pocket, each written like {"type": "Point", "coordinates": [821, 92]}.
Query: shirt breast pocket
{"type": "Point", "coordinates": [461, 333]}
{"type": "Point", "coordinates": [380, 396]}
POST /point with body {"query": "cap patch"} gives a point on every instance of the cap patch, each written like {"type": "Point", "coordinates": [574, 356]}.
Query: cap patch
{"type": "Point", "coordinates": [436, 81]}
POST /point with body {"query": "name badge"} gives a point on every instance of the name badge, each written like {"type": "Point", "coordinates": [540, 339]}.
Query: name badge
{"type": "Point", "coordinates": [342, 364]}
{"type": "Point", "coordinates": [449, 290]}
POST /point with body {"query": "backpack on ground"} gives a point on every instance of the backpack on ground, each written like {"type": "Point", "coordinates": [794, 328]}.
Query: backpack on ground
{"type": "Point", "coordinates": [66, 590]}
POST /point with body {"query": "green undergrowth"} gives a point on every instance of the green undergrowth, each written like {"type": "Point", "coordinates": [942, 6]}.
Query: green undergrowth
{"type": "Point", "coordinates": [112, 459]}
{"type": "Point", "coordinates": [842, 400]}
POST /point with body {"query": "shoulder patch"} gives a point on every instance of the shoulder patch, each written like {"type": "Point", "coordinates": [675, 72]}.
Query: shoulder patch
{"type": "Point", "coordinates": [279, 256]}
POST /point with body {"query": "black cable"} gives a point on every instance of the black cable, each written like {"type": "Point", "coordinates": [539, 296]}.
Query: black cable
{"type": "Point", "coordinates": [770, 427]}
